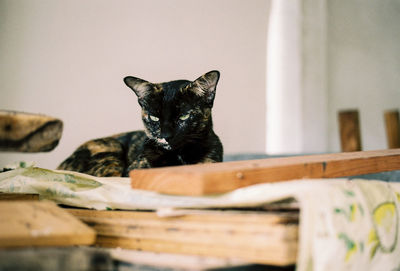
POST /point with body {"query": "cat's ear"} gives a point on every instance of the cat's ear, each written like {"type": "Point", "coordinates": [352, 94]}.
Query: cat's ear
{"type": "Point", "coordinates": [139, 86]}
{"type": "Point", "coordinates": [205, 86]}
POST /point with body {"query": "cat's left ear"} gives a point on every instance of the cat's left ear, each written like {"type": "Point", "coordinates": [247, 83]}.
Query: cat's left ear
{"type": "Point", "coordinates": [205, 86]}
{"type": "Point", "coordinates": [139, 86]}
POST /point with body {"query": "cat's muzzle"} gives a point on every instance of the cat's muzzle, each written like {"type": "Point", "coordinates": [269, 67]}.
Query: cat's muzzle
{"type": "Point", "coordinates": [164, 143]}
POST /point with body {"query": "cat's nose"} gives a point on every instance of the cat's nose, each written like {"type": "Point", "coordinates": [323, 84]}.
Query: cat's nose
{"type": "Point", "coordinates": [166, 135]}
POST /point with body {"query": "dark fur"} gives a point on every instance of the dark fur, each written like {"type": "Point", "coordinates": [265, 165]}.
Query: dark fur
{"type": "Point", "coordinates": [178, 131]}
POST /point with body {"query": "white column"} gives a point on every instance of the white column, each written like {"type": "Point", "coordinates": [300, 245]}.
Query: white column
{"type": "Point", "coordinates": [296, 78]}
{"type": "Point", "coordinates": [284, 109]}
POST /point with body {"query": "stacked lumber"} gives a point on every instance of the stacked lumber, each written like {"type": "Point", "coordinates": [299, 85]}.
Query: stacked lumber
{"type": "Point", "coordinates": [35, 223]}
{"type": "Point", "coordinates": [258, 237]}
{"type": "Point", "coordinates": [56, 259]}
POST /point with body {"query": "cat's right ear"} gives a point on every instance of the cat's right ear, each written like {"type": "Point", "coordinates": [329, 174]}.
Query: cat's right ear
{"type": "Point", "coordinates": [139, 86]}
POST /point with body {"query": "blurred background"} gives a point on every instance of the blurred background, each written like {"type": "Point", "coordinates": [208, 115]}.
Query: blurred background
{"type": "Point", "coordinates": [287, 66]}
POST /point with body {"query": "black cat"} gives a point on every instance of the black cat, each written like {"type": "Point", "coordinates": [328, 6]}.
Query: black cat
{"type": "Point", "coordinates": [178, 131]}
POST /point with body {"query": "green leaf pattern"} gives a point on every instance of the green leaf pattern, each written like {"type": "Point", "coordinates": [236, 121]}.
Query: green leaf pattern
{"type": "Point", "coordinates": [382, 236]}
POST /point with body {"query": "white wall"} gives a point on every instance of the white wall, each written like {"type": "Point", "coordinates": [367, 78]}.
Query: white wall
{"type": "Point", "coordinates": [363, 65]}
{"type": "Point", "coordinates": [67, 59]}
{"type": "Point", "coordinates": [335, 55]}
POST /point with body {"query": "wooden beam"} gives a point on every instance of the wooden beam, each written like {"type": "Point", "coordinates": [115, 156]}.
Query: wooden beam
{"type": "Point", "coordinates": [217, 178]}
{"type": "Point", "coordinates": [392, 125]}
{"type": "Point", "coordinates": [18, 196]}
{"type": "Point", "coordinates": [57, 259]}
{"type": "Point", "coordinates": [173, 261]}
{"type": "Point", "coordinates": [349, 127]}
{"type": "Point", "coordinates": [277, 254]}
{"type": "Point", "coordinates": [259, 237]}
{"type": "Point", "coordinates": [35, 223]}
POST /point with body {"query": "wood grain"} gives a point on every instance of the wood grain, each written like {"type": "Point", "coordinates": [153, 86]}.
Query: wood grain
{"type": "Point", "coordinates": [349, 127]}
{"type": "Point", "coordinates": [173, 261]}
{"type": "Point", "coordinates": [18, 196]}
{"type": "Point", "coordinates": [392, 124]}
{"type": "Point", "coordinates": [217, 178]}
{"type": "Point", "coordinates": [35, 223]}
{"type": "Point", "coordinates": [279, 255]}
{"type": "Point", "coordinates": [260, 237]}
{"type": "Point", "coordinates": [25, 132]}
{"type": "Point", "coordinates": [56, 259]}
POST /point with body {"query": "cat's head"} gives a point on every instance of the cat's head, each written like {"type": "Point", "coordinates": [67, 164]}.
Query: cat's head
{"type": "Point", "coordinates": [176, 112]}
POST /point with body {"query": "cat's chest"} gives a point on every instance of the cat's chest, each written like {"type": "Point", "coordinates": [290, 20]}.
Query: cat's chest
{"type": "Point", "coordinates": [191, 154]}
{"type": "Point", "coordinates": [183, 156]}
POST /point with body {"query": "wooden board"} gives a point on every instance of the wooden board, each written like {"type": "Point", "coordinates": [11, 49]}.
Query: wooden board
{"type": "Point", "coordinates": [56, 259]}
{"type": "Point", "coordinates": [18, 196]}
{"type": "Point", "coordinates": [392, 125]}
{"type": "Point", "coordinates": [35, 223]}
{"type": "Point", "coordinates": [216, 178]}
{"type": "Point", "coordinates": [25, 132]}
{"type": "Point", "coordinates": [349, 127]}
{"type": "Point", "coordinates": [170, 261]}
{"type": "Point", "coordinates": [259, 237]}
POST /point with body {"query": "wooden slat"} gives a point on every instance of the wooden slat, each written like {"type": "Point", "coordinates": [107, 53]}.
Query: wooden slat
{"type": "Point", "coordinates": [260, 237]}
{"type": "Point", "coordinates": [280, 255]}
{"type": "Point", "coordinates": [200, 231]}
{"type": "Point", "coordinates": [392, 124]}
{"type": "Point", "coordinates": [18, 196]}
{"type": "Point", "coordinates": [56, 259]}
{"type": "Point", "coordinates": [224, 177]}
{"type": "Point", "coordinates": [191, 216]}
{"type": "Point", "coordinates": [35, 223]}
{"type": "Point", "coordinates": [349, 128]}
{"type": "Point", "coordinates": [169, 261]}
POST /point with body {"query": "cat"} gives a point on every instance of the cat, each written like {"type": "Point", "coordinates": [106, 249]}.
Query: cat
{"type": "Point", "coordinates": [178, 130]}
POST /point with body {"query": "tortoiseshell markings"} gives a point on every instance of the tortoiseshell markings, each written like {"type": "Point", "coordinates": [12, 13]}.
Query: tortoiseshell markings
{"type": "Point", "coordinates": [167, 140]}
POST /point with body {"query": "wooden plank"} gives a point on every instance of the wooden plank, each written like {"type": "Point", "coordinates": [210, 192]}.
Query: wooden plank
{"type": "Point", "coordinates": [349, 127]}
{"type": "Point", "coordinates": [233, 235]}
{"type": "Point", "coordinates": [18, 196]}
{"type": "Point", "coordinates": [35, 223]}
{"type": "Point", "coordinates": [270, 238]}
{"type": "Point", "coordinates": [191, 216]}
{"type": "Point", "coordinates": [56, 259]}
{"type": "Point", "coordinates": [25, 132]}
{"type": "Point", "coordinates": [267, 237]}
{"type": "Point", "coordinates": [392, 124]}
{"type": "Point", "coordinates": [170, 261]}
{"type": "Point", "coordinates": [216, 178]}
{"type": "Point", "coordinates": [279, 255]}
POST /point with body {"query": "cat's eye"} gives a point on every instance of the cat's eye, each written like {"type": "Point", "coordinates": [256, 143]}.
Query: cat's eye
{"type": "Point", "coordinates": [154, 118]}
{"type": "Point", "coordinates": [184, 117]}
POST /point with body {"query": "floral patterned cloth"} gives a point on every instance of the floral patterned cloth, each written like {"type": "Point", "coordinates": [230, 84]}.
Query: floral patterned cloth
{"type": "Point", "coordinates": [350, 225]}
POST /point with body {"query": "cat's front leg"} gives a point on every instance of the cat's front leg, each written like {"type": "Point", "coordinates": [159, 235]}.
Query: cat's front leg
{"type": "Point", "coordinates": [214, 154]}
{"type": "Point", "coordinates": [207, 160]}
{"type": "Point", "coordinates": [140, 162]}
{"type": "Point", "coordinates": [148, 158]}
